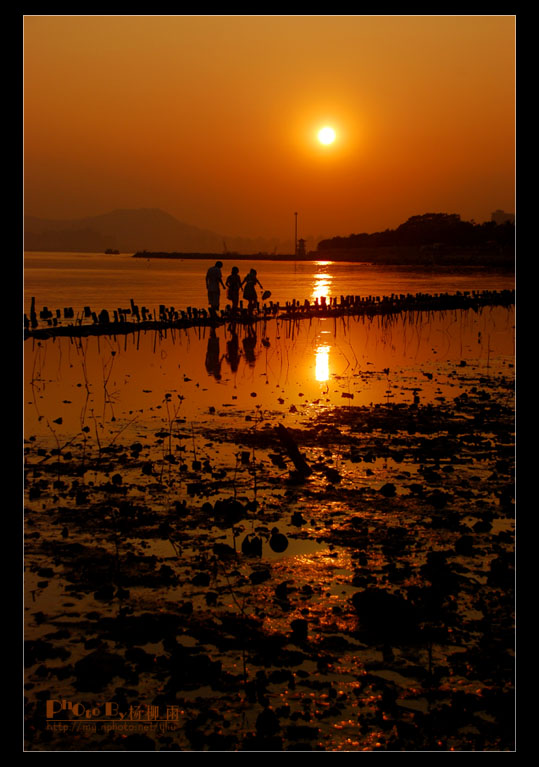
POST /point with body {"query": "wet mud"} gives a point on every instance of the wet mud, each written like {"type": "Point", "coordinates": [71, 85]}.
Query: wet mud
{"type": "Point", "coordinates": [354, 595]}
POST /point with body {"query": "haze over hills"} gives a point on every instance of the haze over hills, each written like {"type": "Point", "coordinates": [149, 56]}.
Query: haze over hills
{"type": "Point", "coordinates": [134, 230]}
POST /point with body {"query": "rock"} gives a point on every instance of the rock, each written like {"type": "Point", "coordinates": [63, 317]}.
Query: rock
{"type": "Point", "coordinates": [98, 669]}
{"type": "Point", "coordinates": [464, 546]}
{"type": "Point", "coordinates": [39, 650]}
{"type": "Point", "coordinates": [386, 615]}
{"type": "Point", "coordinates": [278, 541]}
{"type": "Point", "coordinates": [501, 573]}
{"type": "Point", "coordinates": [259, 576]}
{"type": "Point", "coordinates": [143, 660]}
{"type": "Point", "coordinates": [229, 510]}
{"type": "Point", "coordinates": [332, 475]}
{"type": "Point", "coordinates": [282, 590]}
{"type": "Point", "coordinates": [252, 545]}
{"type": "Point", "coordinates": [267, 723]}
{"type": "Point", "coordinates": [224, 551]}
{"type": "Point", "coordinates": [46, 572]}
{"type": "Point", "coordinates": [201, 579]}
{"type": "Point", "coordinates": [105, 593]}
{"type": "Point", "coordinates": [438, 499]}
{"type": "Point", "coordinates": [301, 732]}
{"type": "Point", "coordinates": [299, 629]}
{"type": "Point", "coordinates": [388, 490]}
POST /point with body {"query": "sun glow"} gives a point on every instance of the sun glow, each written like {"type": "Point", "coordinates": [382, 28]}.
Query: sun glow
{"type": "Point", "coordinates": [326, 135]}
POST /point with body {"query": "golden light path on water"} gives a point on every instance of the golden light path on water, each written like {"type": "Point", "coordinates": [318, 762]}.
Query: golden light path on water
{"type": "Point", "coordinates": [322, 363]}
{"type": "Point", "coordinates": [322, 284]}
{"type": "Point", "coordinates": [322, 289]}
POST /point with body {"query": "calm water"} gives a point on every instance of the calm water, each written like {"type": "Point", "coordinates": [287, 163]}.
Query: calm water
{"type": "Point", "coordinates": [288, 368]}
{"type": "Point", "coordinates": [280, 367]}
{"type": "Point", "coordinates": [57, 280]}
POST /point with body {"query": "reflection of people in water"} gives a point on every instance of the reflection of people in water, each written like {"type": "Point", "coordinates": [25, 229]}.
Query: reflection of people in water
{"type": "Point", "coordinates": [249, 343]}
{"type": "Point", "coordinates": [249, 289]}
{"type": "Point", "coordinates": [213, 360]}
{"type": "Point", "coordinates": [233, 284]}
{"type": "Point", "coordinates": [233, 351]}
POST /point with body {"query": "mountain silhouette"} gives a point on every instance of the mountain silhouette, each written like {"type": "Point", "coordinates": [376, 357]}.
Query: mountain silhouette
{"type": "Point", "coordinates": [124, 230]}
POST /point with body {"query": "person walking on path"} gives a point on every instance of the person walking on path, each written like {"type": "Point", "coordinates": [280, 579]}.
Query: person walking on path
{"type": "Point", "coordinates": [213, 282]}
{"type": "Point", "coordinates": [249, 289]}
{"type": "Point", "coordinates": [233, 283]}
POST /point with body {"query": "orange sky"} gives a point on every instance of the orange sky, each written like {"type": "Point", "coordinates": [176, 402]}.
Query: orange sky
{"type": "Point", "coordinates": [213, 119]}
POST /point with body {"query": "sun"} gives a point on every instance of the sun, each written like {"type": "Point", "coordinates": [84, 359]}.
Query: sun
{"type": "Point", "coordinates": [326, 135]}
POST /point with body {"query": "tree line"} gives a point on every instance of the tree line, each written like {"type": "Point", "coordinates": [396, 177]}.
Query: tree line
{"type": "Point", "coordinates": [431, 230]}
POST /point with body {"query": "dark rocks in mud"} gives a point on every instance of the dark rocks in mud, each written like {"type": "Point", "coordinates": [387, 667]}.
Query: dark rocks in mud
{"type": "Point", "coordinates": [191, 670]}
{"type": "Point", "coordinates": [227, 511]}
{"type": "Point", "coordinates": [386, 615]}
{"type": "Point", "coordinates": [39, 650]}
{"type": "Point", "coordinates": [388, 490]}
{"type": "Point", "coordinates": [464, 545]}
{"type": "Point", "coordinates": [259, 576]}
{"type": "Point", "coordinates": [427, 575]}
{"type": "Point", "coordinates": [278, 541]}
{"type": "Point", "coordinates": [140, 629]}
{"type": "Point", "coordinates": [300, 629]}
{"type": "Point", "coordinates": [252, 545]}
{"type": "Point", "coordinates": [267, 723]}
{"type": "Point", "coordinates": [98, 669]}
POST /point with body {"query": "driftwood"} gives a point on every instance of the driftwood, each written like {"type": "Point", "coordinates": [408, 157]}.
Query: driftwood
{"type": "Point", "coordinates": [290, 445]}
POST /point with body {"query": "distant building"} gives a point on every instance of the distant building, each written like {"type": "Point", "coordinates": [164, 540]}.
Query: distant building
{"type": "Point", "coordinates": [300, 252]}
{"type": "Point", "coordinates": [500, 217]}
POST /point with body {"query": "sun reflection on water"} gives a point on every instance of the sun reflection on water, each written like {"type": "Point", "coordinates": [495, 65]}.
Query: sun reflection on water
{"type": "Point", "coordinates": [322, 363]}
{"type": "Point", "coordinates": [323, 280]}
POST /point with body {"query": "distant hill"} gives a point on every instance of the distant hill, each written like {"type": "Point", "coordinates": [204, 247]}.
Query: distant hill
{"type": "Point", "coordinates": [129, 231]}
{"type": "Point", "coordinates": [124, 230]}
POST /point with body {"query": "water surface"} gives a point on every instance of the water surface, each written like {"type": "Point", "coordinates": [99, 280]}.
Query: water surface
{"type": "Point", "coordinates": [58, 280]}
{"type": "Point", "coordinates": [221, 376]}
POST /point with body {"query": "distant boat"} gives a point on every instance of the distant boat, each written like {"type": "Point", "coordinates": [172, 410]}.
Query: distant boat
{"type": "Point", "coordinates": [112, 252]}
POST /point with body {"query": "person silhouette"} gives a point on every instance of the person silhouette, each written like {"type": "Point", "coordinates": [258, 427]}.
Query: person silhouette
{"type": "Point", "coordinates": [233, 283]}
{"type": "Point", "coordinates": [249, 289]}
{"type": "Point", "coordinates": [213, 282]}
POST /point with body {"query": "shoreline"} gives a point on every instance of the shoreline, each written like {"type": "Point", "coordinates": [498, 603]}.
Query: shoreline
{"type": "Point", "coordinates": [381, 256]}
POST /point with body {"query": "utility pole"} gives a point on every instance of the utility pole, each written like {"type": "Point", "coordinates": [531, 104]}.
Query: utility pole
{"type": "Point", "coordinates": [296, 235]}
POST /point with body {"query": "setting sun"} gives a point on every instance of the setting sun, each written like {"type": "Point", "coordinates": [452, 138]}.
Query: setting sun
{"type": "Point", "coordinates": [326, 135]}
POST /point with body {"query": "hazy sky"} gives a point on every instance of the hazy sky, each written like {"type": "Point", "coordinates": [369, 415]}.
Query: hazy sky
{"type": "Point", "coordinates": [214, 119]}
